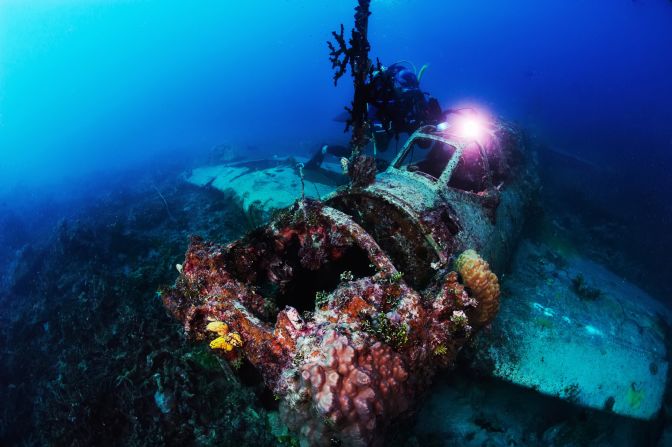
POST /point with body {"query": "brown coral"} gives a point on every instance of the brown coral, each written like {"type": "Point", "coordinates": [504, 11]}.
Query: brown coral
{"type": "Point", "coordinates": [483, 285]}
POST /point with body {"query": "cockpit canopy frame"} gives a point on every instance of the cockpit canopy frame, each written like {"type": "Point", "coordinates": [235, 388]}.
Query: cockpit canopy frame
{"type": "Point", "coordinates": [459, 147]}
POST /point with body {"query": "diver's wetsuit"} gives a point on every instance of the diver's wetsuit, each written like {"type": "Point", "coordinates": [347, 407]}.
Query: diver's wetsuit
{"type": "Point", "coordinates": [396, 105]}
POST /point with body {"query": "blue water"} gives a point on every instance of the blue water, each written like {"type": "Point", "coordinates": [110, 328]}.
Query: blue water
{"type": "Point", "coordinates": [93, 89]}
{"type": "Point", "coordinates": [89, 86]}
{"type": "Point", "coordinates": [93, 94]}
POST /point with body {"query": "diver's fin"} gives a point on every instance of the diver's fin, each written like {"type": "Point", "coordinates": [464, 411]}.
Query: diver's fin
{"type": "Point", "coordinates": [422, 71]}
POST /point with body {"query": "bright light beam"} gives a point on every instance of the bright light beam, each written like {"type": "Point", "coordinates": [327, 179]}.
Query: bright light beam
{"type": "Point", "coordinates": [471, 127]}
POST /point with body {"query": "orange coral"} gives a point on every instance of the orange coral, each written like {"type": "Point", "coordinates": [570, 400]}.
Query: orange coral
{"type": "Point", "coordinates": [483, 285]}
{"type": "Point", "coordinates": [226, 340]}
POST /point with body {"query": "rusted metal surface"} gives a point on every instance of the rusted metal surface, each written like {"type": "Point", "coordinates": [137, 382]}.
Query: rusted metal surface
{"type": "Point", "coordinates": [430, 220]}
{"type": "Point", "coordinates": [348, 307]}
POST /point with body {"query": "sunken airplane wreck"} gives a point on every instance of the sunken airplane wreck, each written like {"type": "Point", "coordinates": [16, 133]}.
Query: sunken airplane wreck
{"type": "Point", "coordinates": [348, 306]}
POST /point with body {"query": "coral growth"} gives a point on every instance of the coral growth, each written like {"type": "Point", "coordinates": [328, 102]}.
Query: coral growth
{"type": "Point", "coordinates": [226, 340]}
{"type": "Point", "coordinates": [355, 54]}
{"type": "Point", "coordinates": [357, 356]}
{"type": "Point", "coordinates": [363, 171]}
{"type": "Point", "coordinates": [483, 285]}
{"type": "Point", "coordinates": [460, 321]}
{"type": "Point", "coordinates": [354, 384]}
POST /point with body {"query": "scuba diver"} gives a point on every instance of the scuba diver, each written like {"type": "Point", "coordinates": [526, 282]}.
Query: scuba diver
{"type": "Point", "coordinates": [396, 105]}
